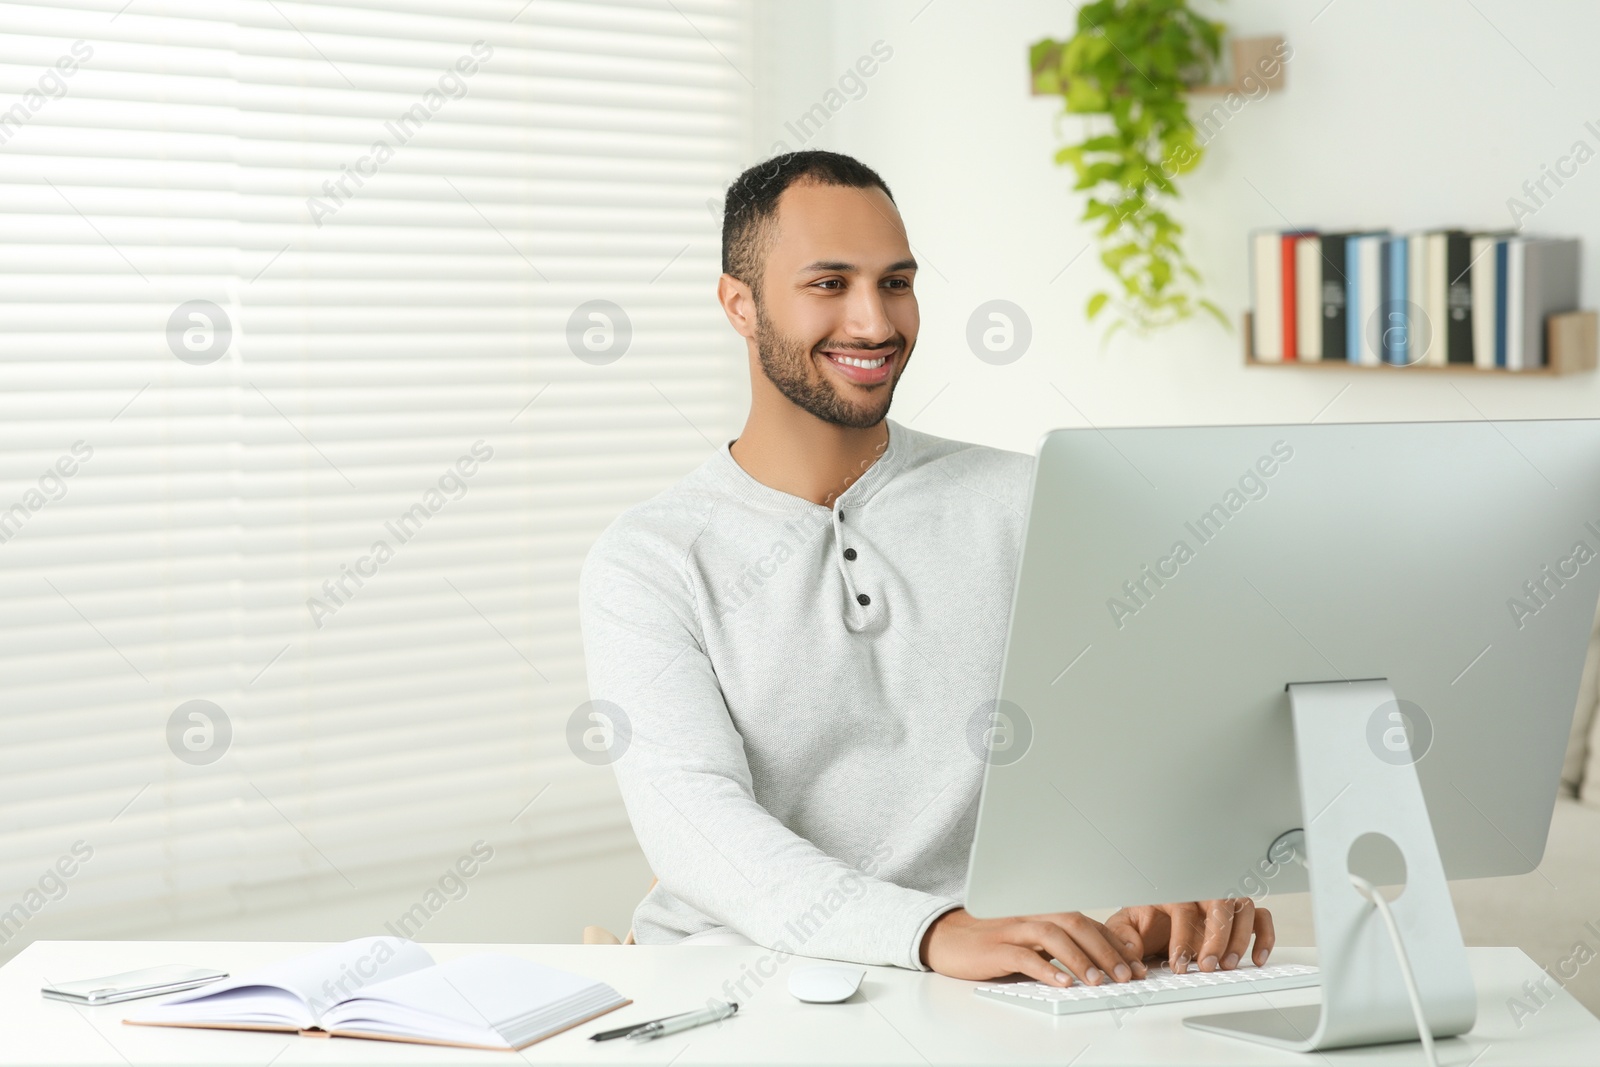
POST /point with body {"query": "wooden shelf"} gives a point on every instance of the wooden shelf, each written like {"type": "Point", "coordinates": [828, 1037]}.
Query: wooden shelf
{"type": "Point", "coordinates": [1250, 56]}
{"type": "Point", "coordinates": [1570, 341]}
{"type": "Point", "coordinates": [1258, 56]}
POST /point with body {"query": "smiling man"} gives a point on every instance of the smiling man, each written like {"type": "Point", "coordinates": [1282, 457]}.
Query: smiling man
{"type": "Point", "coordinates": [800, 630]}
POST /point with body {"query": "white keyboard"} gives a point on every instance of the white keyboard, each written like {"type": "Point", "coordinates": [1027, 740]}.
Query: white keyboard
{"type": "Point", "coordinates": [1161, 987]}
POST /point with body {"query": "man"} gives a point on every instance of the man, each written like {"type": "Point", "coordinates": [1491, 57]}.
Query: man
{"type": "Point", "coordinates": [799, 631]}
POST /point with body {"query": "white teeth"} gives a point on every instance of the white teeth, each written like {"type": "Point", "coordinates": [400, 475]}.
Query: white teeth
{"type": "Point", "coordinates": [869, 364]}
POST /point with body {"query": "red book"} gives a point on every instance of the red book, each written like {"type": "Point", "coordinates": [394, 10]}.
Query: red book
{"type": "Point", "coordinates": [1289, 326]}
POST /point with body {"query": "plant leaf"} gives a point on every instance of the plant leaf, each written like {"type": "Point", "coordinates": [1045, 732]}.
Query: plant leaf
{"type": "Point", "coordinates": [1038, 50]}
{"type": "Point", "coordinates": [1084, 97]}
{"type": "Point", "coordinates": [1114, 257]}
{"type": "Point", "coordinates": [1160, 273]}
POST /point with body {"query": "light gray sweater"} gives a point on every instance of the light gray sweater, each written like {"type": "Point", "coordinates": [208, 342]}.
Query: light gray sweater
{"type": "Point", "coordinates": [798, 764]}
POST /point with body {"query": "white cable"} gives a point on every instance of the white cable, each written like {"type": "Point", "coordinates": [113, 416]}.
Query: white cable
{"type": "Point", "coordinates": [1368, 890]}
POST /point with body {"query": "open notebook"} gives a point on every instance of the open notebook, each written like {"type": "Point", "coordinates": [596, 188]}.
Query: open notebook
{"type": "Point", "coordinates": [389, 988]}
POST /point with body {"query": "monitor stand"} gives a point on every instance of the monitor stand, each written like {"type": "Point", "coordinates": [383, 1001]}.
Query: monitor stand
{"type": "Point", "coordinates": [1347, 790]}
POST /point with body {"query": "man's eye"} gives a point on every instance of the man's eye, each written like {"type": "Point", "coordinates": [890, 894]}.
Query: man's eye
{"type": "Point", "coordinates": [898, 283]}
{"type": "Point", "coordinates": [831, 281]}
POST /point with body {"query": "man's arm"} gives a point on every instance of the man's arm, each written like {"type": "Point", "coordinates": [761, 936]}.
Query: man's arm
{"type": "Point", "coordinates": [688, 790]}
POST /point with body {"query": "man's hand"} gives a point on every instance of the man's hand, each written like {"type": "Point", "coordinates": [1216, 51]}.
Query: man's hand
{"type": "Point", "coordinates": [961, 946]}
{"type": "Point", "coordinates": [1216, 933]}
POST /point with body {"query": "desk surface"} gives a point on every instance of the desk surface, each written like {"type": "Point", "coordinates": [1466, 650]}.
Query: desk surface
{"type": "Point", "coordinates": [897, 1017]}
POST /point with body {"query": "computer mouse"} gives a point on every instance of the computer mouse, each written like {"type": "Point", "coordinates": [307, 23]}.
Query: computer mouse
{"type": "Point", "coordinates": [825, 983]}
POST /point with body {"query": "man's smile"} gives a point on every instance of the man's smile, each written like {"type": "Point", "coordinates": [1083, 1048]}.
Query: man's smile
{"type": "Point", "coordinates": [863, 366]}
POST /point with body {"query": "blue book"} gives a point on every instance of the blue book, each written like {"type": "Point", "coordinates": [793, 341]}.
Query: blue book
{"type": "Point", "coordinates": [1500, 302]}
{"type": "Point", "coordinates": [1364, 275]}
{"type": "Point", "coordinates": [1396, 325]}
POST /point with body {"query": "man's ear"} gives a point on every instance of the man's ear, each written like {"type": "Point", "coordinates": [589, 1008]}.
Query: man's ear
{"type": "Point", "coordinates": [738, 303]}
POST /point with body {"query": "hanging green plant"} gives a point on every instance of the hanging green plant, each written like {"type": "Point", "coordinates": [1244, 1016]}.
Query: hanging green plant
{"type": "Point", "coordinates": [1133, 61]}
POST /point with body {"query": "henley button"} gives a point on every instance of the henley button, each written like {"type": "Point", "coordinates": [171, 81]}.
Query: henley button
{"type": "Point", "coordinates": [849, 553]}
{"type": "Point", "coordinates": [863, 599]}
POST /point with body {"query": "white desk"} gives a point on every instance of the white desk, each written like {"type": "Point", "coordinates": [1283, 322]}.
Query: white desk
{"type": "Point", "coordinates": [898, 1017]}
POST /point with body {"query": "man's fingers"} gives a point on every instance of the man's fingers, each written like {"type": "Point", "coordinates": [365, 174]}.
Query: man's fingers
{"type": "Point", "coordinates": [1100, 946]}
{"type": "Point", "coordinates": [1053, 939]}
{"type": "Point", "coordinates": [1220, 919]}
{"type": "Point", "coordinates": [1026, 961]}
{"type": "Point", "coordinates": [1126, 934]}
{"type": "Point", "coordinates": [1157, 926]}
{"type": "Point", "coordinates": [1130, 948]}
{"type": "Point", "coordinates": [1128, 940]}
{"type": "Point", "coordinates": [1239, 941]}
{"type": "Point", "coordinates": [1188, 928]}
{"type": "Point", "coordinates": [1089, 944]}
{"type": "Point", "coordinates": [1266, 937]}
{"type": "Point", "coordinates": [1141, 931]}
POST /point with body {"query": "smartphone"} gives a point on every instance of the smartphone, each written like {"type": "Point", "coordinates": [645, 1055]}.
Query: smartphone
{"type": "Point", "coordinates": [131, 985]}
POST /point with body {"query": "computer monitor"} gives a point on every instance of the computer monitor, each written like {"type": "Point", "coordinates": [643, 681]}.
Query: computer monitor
{"type": "Point", "coordinates": [1434, 582]}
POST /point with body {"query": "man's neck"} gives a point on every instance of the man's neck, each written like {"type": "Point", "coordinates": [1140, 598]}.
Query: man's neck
{"type": "Point", "coordinates": [797, 453]}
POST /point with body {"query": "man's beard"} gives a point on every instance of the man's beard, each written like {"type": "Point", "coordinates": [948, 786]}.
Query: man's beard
{"type": "Point", "coordinates": [787, 364]}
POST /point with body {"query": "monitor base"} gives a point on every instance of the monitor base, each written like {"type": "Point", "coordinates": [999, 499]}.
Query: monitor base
{"type": "Point", "coordinates": [1354, 781]}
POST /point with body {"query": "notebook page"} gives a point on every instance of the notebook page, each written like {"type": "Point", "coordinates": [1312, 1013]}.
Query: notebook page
{"type": "Point", "coordinates": [487, 998]}
{"type": "Point", "coordinates": [295, 991]}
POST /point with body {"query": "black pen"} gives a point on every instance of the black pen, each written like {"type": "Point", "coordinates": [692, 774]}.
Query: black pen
{"type": "Point", "coordinates": [607, 1035]}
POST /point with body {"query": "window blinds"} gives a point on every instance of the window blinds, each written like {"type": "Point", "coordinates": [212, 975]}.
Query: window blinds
{"type": "Point", "coordinates": [331, 335]}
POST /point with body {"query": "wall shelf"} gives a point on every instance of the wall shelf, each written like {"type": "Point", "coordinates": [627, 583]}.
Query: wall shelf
{"type": "Point", "coordinates": [1258, 56]}
{"type": "Point", "coordinates": [1570, 342]}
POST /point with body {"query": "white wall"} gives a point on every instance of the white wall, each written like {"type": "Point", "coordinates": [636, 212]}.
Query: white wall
{"type": "Point", "coordinates": [545, 903]}
{"type": "Point", "coordinates": [1406, 115]}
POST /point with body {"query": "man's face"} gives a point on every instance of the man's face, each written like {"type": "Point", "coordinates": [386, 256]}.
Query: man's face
{"type": "Point", "coordinates": [837, 286]}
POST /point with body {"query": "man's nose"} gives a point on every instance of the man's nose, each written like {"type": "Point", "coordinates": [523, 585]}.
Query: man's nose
{"type": "Point", "coordinates": [868, 319]}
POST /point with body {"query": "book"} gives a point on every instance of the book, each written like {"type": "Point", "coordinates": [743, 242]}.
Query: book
{"type": "Point", "coordinates": [1352, 298]}
{"type": "Point", "coordinates": [1363, 329]}
{"type": "Point", "coordinates": [1394, 321]}
{"type": "Point", "coordinates": [1377, 311]}
{"type": "Point", "coordinates": [1515, 247]}
{"type": "Point", "coordinates": [1266, 250]}
{"type": "Point", "coordinates": [1436, 300]}
{"type": "Point", "coordinates": [1458, 298]}
{"type": "Point", "coordinates": [1334, 301]}
{"type": "Point", "coordinates": [389, 989]}
{"type": "Point", "coordinates": [1287, 243]}
{"type": "Point", "coordinates": [1542, 281]}
{"type": "Point", "coordinates": [1500, 267]}
{"type": "Point", "coordinates": [1308, 297]}
{"type": "Point", "coordinates": [1483, 300]}
{"type": "Point", "coordinates": [1414, 304]}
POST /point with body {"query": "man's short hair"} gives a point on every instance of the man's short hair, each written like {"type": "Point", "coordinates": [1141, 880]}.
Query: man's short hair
{"type": "Point", "coordinates": [751, 206]}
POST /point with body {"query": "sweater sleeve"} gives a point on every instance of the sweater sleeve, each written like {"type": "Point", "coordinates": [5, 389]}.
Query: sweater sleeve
{"type": "Point", "coordinates": [688, 789]}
